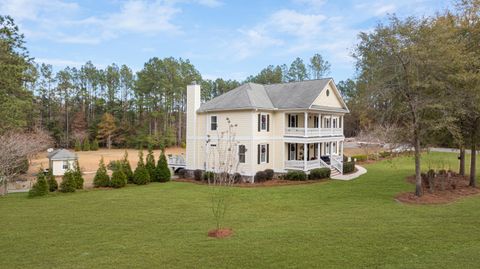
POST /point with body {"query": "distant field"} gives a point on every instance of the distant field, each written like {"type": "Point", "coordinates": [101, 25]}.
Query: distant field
{"type": "Point", "coordinates": [334, 224]}
{"type": "Point", "coordinates": [89, 160]}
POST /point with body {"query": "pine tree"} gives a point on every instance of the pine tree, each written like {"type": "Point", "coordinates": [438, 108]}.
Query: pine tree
{"type": "Point", "coordinates": [119, 179]}
{"type": "Point", "coordinates": [77, 173]}
{"type": "Point", "coordinates": [52, 182]}
{"type": "Point", "coordinates": [141, 175]}
{"type": "Point", "coordinates": [40, 188]}
{"type": "Point", "coordinates": [150, 164]}
{"type": "Point", "coordinates": [94, 146]}
{"type": "Point", "coordinates": [162, 172]}
{"type": "Point", "coordinates": [78, 145]}
{"type": "Point", "coordinates": [101, 178]}
{"type": "Point", "coordinates": [127, 169]}
{"type": "Point", "coordinates": [69, 183]}
{"type": "Point", "coordinates": [86, 145]}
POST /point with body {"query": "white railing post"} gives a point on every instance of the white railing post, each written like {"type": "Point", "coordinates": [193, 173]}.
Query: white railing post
{"type": "Point", "coordinates": [331, 124]}
{"type": "Point", "coordinates": [305, 122]}
{"type": "Point", "coordinates": [304, 156]}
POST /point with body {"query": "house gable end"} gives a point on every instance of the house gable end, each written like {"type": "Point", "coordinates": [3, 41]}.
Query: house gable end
{"type": "Point", "coordinates": [330, 97]}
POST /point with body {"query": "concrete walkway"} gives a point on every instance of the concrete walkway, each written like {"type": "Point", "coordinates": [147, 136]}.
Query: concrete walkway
{"type": "Point", "coordinates": [360, 171]}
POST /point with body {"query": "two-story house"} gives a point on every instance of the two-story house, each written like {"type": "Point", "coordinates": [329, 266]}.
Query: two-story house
{"type": "Point", "coordinates": [287, 126]}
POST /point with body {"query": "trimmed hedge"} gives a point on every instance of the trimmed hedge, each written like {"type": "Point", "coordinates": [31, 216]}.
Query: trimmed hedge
{"type": "Point", "coordinates": [360, 158]}
{"type": "Point", "coordinates": [237, 178]}
{"type": "Point", "coordinates": [269, 173]}
{"type": "Point", "coordinates": [296, 175]}
{"type": "Point", "coordinates": [319, 173]}
{"type": "Point", "coordinates": [198, 175]}
{"type": "Point", "coordinates": [260, 176]}
{"type": "Point", "coordinates": [208, 175]}
{"type": "Point", "coordinates": [348, 167]}
{"type": "Point", "coordinates": [385, 154]}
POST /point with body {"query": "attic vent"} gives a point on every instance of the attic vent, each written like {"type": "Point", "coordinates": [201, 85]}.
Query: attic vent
{"type": "Point", "coordinates": [328, 92]}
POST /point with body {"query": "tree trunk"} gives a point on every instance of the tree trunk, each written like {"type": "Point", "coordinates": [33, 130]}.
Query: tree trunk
{"type": "Point", "coordinates": [461, 170]}
{"type": "Point", "coordinates": [418, 177]}
{"type": "Point", "coordinates": [109, 141]}
{"type": "Point", "coordinates": [473, 162]}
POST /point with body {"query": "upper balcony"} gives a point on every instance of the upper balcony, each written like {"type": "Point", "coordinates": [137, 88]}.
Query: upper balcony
{"type": "Point", "coordinates": [317, 124]}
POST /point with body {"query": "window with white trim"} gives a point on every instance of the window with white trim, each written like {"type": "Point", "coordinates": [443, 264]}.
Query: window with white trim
{"type": "Point", "coordinates": [315, 121]}
{"type": "Point", "coordinates": [334, 122]}
{"type": "Point", "coordinates": [263, 153]}
{"type": "Point", "coordinates": [65, 165]}
{"type": "Point", "coordinates": [263, 122]}
{"type": "Point", "coordinates": [241, 153]}
{"type": "Point", "coordinates": [213, 123]}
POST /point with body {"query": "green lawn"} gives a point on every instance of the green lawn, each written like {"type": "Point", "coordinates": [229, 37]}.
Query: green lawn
{"type": "Point", "coordinates": [332, 224]}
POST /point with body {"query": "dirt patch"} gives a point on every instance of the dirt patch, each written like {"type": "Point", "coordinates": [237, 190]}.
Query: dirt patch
{"type": "Point", "coordinates": [268, 183]}
{"type": "Point", "coordinates": [220, 233]}
{"type": "Point", "coordinates": [89, 160]}
{"type": "Point", "coordinates": [446, 190]}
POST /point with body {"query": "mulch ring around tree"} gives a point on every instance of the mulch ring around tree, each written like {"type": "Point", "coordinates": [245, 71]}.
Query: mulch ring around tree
{"type": "Point", "coordinates": [445, 190]}
{"type": "Point", "coordinates": [220, 233]}
{"type": "Point", "coordinates": [268, 183]}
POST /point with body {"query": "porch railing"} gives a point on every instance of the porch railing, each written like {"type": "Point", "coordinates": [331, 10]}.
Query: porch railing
{"type": "Point", "coordinates": [337, 162]}
{"type": "Point", "coordinates": [308, 165]}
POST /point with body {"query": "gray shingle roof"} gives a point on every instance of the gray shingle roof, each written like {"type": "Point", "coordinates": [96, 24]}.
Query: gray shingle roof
{"type": "Point", "coordinates": [293, 95]}
{"type": "Point", "coordinates": [62, 154]}
{"type": "Point", "coordinates": [246, 96]}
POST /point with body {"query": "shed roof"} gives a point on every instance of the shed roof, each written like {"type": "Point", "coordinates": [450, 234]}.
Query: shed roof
{"type": "Point", "coordinates": [62, 154]}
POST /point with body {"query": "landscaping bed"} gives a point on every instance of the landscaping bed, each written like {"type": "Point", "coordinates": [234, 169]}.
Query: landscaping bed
{"type": "Point", "coordinates": [268, 183]}
{"type": "Point", "coordinates": [450, 190]}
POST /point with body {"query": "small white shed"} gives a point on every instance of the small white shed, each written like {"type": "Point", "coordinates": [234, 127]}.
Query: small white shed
{"type": "Point", "coordinates": [61, 160]}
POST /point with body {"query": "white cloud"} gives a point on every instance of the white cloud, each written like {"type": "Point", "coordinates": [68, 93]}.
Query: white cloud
{"type": "Point", "coordinates": [381, 10]}
{"type": "Point", "coordinates": [59, 62]}
{"type": "Point", "coordinates": [210, 3]}
{"type": "Point", "coordinates": [22, 10]}
{"type": "Point", "coordinates": [252, 42]}
{"type": "Point", "coordinates": [295, 23]}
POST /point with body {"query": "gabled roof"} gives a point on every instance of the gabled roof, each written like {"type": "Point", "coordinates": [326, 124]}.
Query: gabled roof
{"type": "Point", "coordinates": [292, 95]}
{"type": "Point", "coordinates": [246, 96]}
{"type": "Point", "coordinates": [62, 154]}
{"type": "Point", "coordinates": [295, 94]}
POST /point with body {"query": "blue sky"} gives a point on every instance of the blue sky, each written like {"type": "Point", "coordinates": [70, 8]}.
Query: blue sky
{"type": "Point", "coordinates": [228, 39]}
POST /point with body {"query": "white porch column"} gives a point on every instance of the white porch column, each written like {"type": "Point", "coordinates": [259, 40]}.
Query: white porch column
{"type": "Point", "coordinates": [330, 149]}
{"type": "Point", "coordinates": [304, 156]}
{"type": "Point", "coordinates": [318, 151]}
{"type": "Point", "coordinates": [331, 126]}
{"type": "Point", "coordinates": [341, 148]}
{"type": "Point", "coordinates": [305, 122]}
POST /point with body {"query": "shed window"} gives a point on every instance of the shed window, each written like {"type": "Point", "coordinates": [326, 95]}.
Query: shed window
{"type": "Point", "coordinates": [65, 165]}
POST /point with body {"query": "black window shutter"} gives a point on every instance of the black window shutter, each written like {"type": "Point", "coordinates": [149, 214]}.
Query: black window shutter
{"type": "Point", "coordinates": [288, 151]}
{"type": "Point", "coordinates": [259, 122]}
{"type": "Point", "coordinates": [268, 153]}
{"type": "Point", "coordinates": [296, 121]}
{"type": "Point", "coordinates": [258, 155]}
{"type": "Point", "coordinates": [268, 122]}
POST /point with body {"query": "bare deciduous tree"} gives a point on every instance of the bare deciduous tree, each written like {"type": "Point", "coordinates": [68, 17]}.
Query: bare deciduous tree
{"type": "Point", "coordinates": [223, 162]}
{"type": "Point", "coordinates": [15, 148]}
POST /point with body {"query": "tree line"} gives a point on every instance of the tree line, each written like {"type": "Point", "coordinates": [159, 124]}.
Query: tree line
{"type": "Point", "coordinates": [420, 77]}
{"type": "Point", "coordinates": [114, 105]}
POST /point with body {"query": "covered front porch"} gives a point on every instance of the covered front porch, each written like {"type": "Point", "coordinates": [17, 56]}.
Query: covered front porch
{"type": "Point", "coordinates": [308, 156]}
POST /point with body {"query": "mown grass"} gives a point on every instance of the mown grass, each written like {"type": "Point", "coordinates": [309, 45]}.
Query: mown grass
{"type": "Point", "coordinates": [338, 224]}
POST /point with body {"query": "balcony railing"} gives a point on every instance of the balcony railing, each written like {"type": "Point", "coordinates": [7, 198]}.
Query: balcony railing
{"type": "Point", "coordinates": [290, 131]}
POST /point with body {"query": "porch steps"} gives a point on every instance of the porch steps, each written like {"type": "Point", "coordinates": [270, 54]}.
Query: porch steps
{"type": "Point", "coordinates": [334, 172]}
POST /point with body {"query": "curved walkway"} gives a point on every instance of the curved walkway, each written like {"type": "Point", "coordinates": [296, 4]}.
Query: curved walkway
{"type": "Point", "coordinates": [360, 171]}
